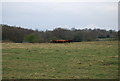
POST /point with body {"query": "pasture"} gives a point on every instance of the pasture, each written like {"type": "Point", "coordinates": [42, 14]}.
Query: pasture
{"type": "Point", "coordinates": [80, 60]}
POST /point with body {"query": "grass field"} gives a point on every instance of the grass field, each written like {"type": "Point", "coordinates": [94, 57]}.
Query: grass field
{"type": "Point", "coordinates": [83, 60]}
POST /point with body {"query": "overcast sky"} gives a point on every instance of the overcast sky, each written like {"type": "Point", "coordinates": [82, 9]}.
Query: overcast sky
{"type": "Point", "coordinates": [69, 14]}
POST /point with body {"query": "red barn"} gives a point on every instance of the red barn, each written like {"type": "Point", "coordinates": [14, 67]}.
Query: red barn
{"type": "Point", "coordinates": [60, 41]}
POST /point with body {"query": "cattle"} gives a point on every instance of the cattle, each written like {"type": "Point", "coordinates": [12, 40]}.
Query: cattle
{"type": "Point", "coordinates": [60, 41]}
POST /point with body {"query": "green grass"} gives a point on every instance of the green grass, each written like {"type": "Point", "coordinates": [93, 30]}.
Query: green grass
{"type": "Point", "coordinates": [83, 60]}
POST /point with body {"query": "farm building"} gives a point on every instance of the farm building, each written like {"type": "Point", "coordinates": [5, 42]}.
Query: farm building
{"type": "Point", "coordinates": [60, 41]}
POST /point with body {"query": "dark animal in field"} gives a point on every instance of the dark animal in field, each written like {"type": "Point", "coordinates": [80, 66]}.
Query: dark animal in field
{"type": "Point", "coordinates": [60, 41]}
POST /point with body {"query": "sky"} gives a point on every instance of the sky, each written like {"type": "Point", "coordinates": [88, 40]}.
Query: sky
{"type": "Point", "coordinates": [50, 14]}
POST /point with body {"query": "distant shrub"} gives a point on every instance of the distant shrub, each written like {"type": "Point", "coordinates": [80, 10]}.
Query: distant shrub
{"type": "Point", "coordinates": [32, 38]}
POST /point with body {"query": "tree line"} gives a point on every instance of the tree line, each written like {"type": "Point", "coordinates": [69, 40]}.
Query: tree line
{"type": "Point", "coordinates": [19, 35]}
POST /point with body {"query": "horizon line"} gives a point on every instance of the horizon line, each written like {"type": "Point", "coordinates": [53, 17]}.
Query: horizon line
{"type": "Point", "coordinates": [59, 27]}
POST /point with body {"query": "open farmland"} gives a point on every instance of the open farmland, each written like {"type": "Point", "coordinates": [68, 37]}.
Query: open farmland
{"type": "Point", "coordinates": [83, 60]}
